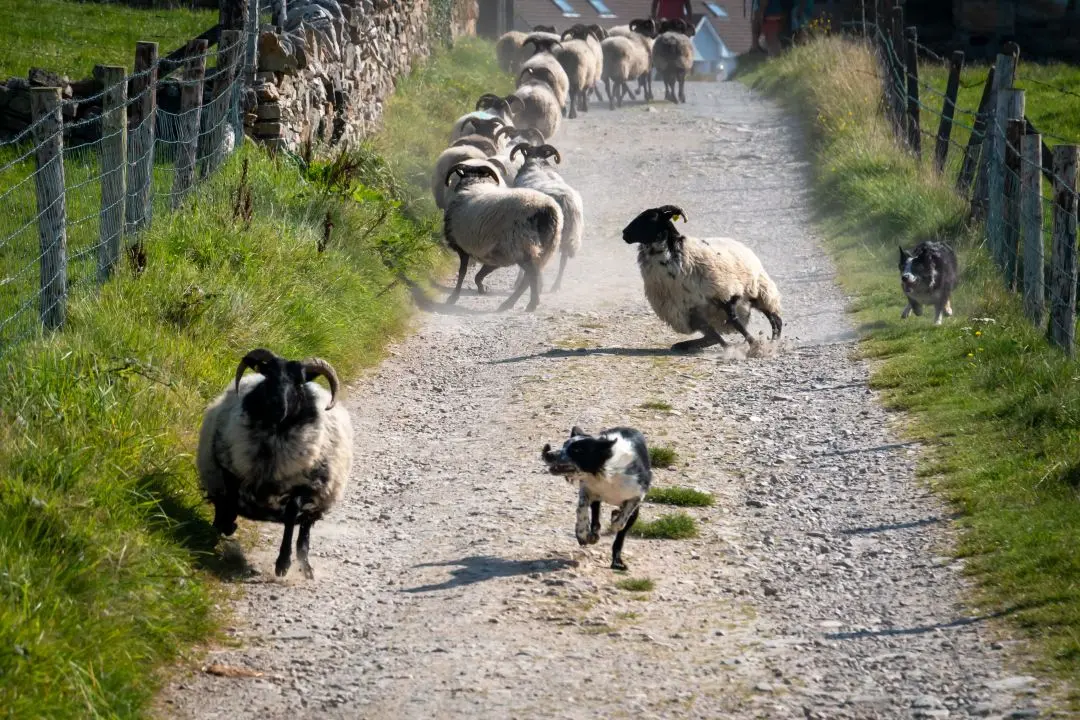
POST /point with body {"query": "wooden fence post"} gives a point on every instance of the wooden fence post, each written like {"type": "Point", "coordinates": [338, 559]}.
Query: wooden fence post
{"type": "Point", "coordinates": [191, 94]}
{"type": "Point", "coordinates": [993, 147]}
{"type": "Point", "coordinates": [914, 128]}
{"type": "Point", "coordinates": [944, 133]}
{"type": "Point", "coordinates": [1014, 135]}
{"type": "Point", "coordinates": [975, 142]}
{"type": "Point", "coordinates": [1032, 222]}
{"type": "Point", "coordinates": [899, 71]}
{"type": "Point", "coordinates": [113, 150]}
{"type": "Point", "coordinates": [45, 108]}
{"type": "Point", "coordinates": [141, 138]}
{"type": "Point", "coordinates": [215, 112]}
{"type": "Point", "coordinates": [995, 180]}
{"type": "Point", "coordinates": [1062, 327]}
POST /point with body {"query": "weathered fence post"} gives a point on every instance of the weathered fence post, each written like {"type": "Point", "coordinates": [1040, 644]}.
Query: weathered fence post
{"type": "Point", "coordinates": [1062, 327]}
{"type": "Point", "coordinates": [141, 137]}
{"type": "Point", "coordinates": [215, 111]}
{"type": "Point", "coordinates": [944, 133]}
{"type": "Point", "coordinates": [1032, 222]}
{"type": "Point", "coordinates": [975, 142]}
{"type": "Point", "coordinates": [1014, 135]}
{"type": "Point", "coordinates": [914, 128]}
{"type": "Point", "coordinates": [45, 108]}
{"type": "Point", "coordinates": [113, 150]}
{"type": "Point", "coordinates": [993, 146]}
{"type": "Point", "coordinates": [279, 9]}
{"type": "Point", "coordinates": [1007, 100]}
{"type": "Point", "coordinates": [899, 71]}
{"type": "Point", "coordinates": [191, 94]}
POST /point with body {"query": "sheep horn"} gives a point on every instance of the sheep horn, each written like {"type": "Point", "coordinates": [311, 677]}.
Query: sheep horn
{"type": "Point", "coordinates": [504, 130]}
{"type": "Point", "coordinates": [485, 100]}
{"type": "Point", "coordinates": [314, 367]}
{"type": "Point", "coordinates": [522, 148]}
{"type": "Point", "coordinates": [670, 211]}
{"type": "Point", "coordinates": [252, 360]}
{"type": "Point", "coordinates": [511, 99]}
{"type": "Point", "coordinates": [569, 32]}
{"type": "Point", "coordinates": [547, 151]}
{"type": "Point", "coordinates": [532, 133]}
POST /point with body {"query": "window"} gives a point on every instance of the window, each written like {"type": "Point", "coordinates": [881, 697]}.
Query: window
{"type": "Point", "coordinates": [601, 8]}
{"type": "Point", "coordinates": [567, 8]}
{"type": "Point", "coordinates": [716, 9]}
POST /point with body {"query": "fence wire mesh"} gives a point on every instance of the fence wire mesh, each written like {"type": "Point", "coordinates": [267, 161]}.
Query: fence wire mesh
{"type": "Point", "coordinates": [1025, 196]}
{"type": "Point", "coordinates": [82, 189]}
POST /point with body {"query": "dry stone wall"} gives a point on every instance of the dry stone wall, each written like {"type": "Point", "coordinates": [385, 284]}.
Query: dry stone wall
{"type": "Point", "coordinates": [324, 74]}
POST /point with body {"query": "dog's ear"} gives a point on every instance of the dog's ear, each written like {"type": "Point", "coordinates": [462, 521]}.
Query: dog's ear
{"type": "Point", "coordinates": [576, 431]}
{"type": "Point", "coordinates": [903, 256]}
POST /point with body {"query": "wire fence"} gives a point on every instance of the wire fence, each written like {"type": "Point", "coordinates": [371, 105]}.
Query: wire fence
{"type": "Point", "coordinates": [1023, 191]}
{"type": "Point", "coordinates": [80, 185]}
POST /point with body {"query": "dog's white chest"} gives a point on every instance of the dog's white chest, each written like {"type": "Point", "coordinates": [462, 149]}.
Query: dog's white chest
{"type": "Point", "coordinates": [613, 489]}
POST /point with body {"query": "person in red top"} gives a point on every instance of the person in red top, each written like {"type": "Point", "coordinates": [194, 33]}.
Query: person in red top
{"type": "Point", "coordinates": [671, 9]}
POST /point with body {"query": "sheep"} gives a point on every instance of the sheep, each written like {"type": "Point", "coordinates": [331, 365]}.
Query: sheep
{"type": "Point", "coordinates": [596, 36]}
{"type": "Point", "coordinates": [624, 60]}
{"type": "Point", "coordinates": [576, 58]}
{"type": "Point", "coordinates": [537, 173]}
{"type": "Point", "coordinates": [540, 104]}
{"type": "Point", "coordinates": [642, 31]}
{"type": "Point", "coordinates": [700, 284]}
{"type": "Point", "coordinates": [545, 58]}
{"type": "Point", "coordinates": [453, 155]}
{"type": "Point", "coordinates": [673, 56]}
{"type": "Point", "coordinates": [487, 107]}
{"type": "Point", "coordinates": [490, 126]}
{"type": "Point", "coordinates": [507, 157]}
{"type": "Point", "coordinates": [499, 226]}
{"type": "Point", "coordinates": [508, 51]}
{"type": "Point", "coordinates": [276, 447]}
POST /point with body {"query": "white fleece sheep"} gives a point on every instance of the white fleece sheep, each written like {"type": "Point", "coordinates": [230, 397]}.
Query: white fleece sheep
{"type": "Point", "coordinates": [577, 59]}
{"type": "Point", "coordinates": [508, 51]}
{"type": "Point", "coordinates": [706, 285]}
{"type": "Point", "coordinates": [540, 105]}
{"type": "Point", "coordinates": [499, 226]}
{"type": "Point", "coordinates": [538, 173]}
{"type": "Point", "coordinates": [673, 56]}
{"type": "Point", "coordinates": [450, 157]}
{"type": "Point", "coordinates": [643, 32]}
{"type": "Point", "coordinates": [276, 447]}
{"type": "Point", "coordinates": [624, 60]}
{"type": "Point", "coordinates": [544, 57]}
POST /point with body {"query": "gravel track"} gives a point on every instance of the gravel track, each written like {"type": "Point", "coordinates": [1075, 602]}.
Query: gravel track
{"type": "Point", "coordinates": [449, 583]}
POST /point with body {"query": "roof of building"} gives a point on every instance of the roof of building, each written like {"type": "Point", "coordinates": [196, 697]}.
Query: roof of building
{"type": "Point", "coordinates": [732, 24]}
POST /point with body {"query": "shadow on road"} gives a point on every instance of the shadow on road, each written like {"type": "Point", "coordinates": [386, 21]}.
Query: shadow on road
{"type": "Point", "coordinates": [479, 568]}
{"type": "Point", "coordinates": [899, 526]}
{"type": "Point", "coordinates": [920, 629]}
{"type": "Point", "coordinates": [588, 352]}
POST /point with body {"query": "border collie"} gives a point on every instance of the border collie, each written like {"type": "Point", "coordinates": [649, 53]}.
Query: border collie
{"type": "Point", "coordinates": [612, 467]}
{"type": "Point", "coordinates": [928, 276]}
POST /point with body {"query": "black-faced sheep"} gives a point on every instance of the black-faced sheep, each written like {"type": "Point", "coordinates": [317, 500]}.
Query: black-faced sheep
{"type": "Point", "coordinates": [276, 447]}
{"type": "Point", "coordinates": [508, 51]}
{"type": "Point", "coordinates": [643, 32]}
{"type": "Point", "coordinates": [610, 467]}
{"type": "Point", "coordinates": [673, 56]}
{"type": "Point", "coordinates": [541, 109]}
{"type": "Point", "coordinates": [707, 285]}
{"type": "Point", "coordinates": [538, 173]}
{"type": "Point", "coordinates": [499, 226]}
{"type": "Point", "coordinates": [544, 58]}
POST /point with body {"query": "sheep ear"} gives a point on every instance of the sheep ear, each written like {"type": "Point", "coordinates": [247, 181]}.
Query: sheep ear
{"type": "Point", "coordinates": [576, 431]}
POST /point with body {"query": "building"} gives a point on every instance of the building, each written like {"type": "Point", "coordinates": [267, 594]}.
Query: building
{"type": "Point", "coordinates": [722, 26]}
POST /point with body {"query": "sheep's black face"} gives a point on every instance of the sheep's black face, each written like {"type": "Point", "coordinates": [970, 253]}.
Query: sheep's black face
{"type": "Point", "coordinates": [280, 399]}
{"type": "Point", "coordinates": [654, 225]}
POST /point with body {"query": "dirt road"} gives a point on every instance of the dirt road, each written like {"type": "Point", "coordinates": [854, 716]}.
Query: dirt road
{"type": "Point", "coordinates": [449, 584]}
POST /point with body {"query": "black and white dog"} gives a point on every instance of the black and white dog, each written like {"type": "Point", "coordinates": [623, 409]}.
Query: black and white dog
{"type": "Point", "coordinates": [928, 277]}
{"type": "Point", "coordinates": [611, 466]}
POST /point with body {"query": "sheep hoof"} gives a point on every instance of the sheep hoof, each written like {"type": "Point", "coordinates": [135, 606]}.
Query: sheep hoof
{"type": "Point", "coordinates": [305, 569]}
{"type": "Point", "coordinates": [618, 564]}
{"type": "Point", "coordinates": [480, 290]}
{"type": "Point", "coordinates": [281, 567]}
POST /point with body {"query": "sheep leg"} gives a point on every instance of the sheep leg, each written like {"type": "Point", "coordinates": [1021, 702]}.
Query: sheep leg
{"type": "Point", "coordinates": [558, 278]}
{"type": "Point", "coordinates": [584, 529]}
{"type": "Point", "coordinates": [709, 337]}
{"type": "Point", "coordinates": [733, 319]}
{"type": "Point", "coordinates": [303, 540]}
{"type": "Point", "coordinates": [610, 95]}
{"type": "Point", "coordinates": [774, 319]}
{"type": "Point", "coordinates": [284, 559]}
{"type": "Point", "coordinates": [629, 90]}
{"type": "Point", "coordinates": [519, 289]}
{"type": "Point", "coordinates": [462, 268]}
{"type": "Point", "coordinates": [594, 526]}
{"type": "Point", "coordinates": [479, 279]}
{"type": "Point", "coordinates": [572, 113]}
{"type": "Point", "coordinates": [584, 101]}
{"type": "Point", "coordinates": [616, 547]}
{"type": "Point", "coordinates": [681, 75]}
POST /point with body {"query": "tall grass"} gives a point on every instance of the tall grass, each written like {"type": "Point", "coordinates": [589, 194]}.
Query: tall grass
{"type": "Point", "coordinates": [107, 557]}
{"type": "Point", "coordinates": [998, 408]}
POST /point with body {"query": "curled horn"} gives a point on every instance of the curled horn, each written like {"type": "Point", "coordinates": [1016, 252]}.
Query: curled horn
{"type": "Point", "coordinates": [512, 99]}
{"type": "Point", "coordinates": [252, 360]}
{"type": "Point", "coordinates": [546, 151]}
{"type": "Point", "coordinates": [486, 99]}
{"type": "Point", "coordinates": [314, 367]}
{"type": "Point", "coordinates": [507, 130]}
{"type": "Point", "coordinates": [569, 32]}
{"type": "Point", "coordinates": [522, 148]}
{"type": "Point", "coordinates": [531, 133]}
{"type": "Point", "coordinates": [461, 168]}
{"type": "Point", "coordinates": [669, 211]}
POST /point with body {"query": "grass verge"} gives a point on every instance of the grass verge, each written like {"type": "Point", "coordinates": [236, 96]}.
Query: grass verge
{"type": "Point", "coordinates": [998, 408]}
{"type": "Point", "coordinates": [71, 37]}
{"type": "Point", "coordinates": [635, 584]}
{"type": "Point", "coordinates": [661, 456]}
{"type": "Point", "coordinates": [672, 526]}
{"type": "Point", "coordinates": [108, 559]}
{"type": "Point", "coordinates": [681, 496]}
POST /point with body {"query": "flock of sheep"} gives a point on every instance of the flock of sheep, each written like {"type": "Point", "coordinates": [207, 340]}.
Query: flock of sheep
{"type": "Point", "coordinates": [274, 446]}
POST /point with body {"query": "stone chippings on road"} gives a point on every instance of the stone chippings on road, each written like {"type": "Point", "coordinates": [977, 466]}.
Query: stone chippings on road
{"type": "Point", "coordinates": [449, 583]}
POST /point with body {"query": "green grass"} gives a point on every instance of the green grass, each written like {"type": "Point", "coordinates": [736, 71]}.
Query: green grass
{"type": "Point", "coordinates": [109, 563]}
{"type": "Point", "coordinates": [672, 526]}
{"type": "Point", "coordinates": [635, 585]}
{"type": "Point", "coordinates": [656, 405]}
{"type": "Point", "coordinates": [662, 457]}
{"type": "Point", "coordinates": [997, 407]}
{"type": "Point", "coordinates": [71, 37]}
{"type": "Point", "coordinates": [681, 496]}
